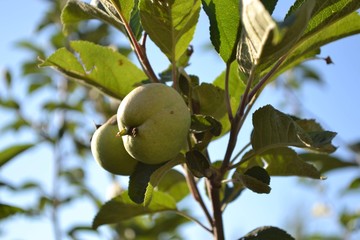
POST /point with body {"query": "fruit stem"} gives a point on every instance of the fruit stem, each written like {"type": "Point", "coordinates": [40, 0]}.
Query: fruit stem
{"type": "Point", "coordinates": [127, 131]}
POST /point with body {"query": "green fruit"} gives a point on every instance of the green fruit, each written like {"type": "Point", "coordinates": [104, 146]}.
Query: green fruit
{"type": "Point", "coordinates": [108, 149]}
{"type": "Point", "coordinates": [154, 122]}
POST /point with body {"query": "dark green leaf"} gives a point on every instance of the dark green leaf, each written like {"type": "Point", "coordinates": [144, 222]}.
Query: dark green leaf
{"type": "Point", "coordinates": [198, 164]}
{"type": "Point", "coordinates": [8, 78]}
{"type": "Point", "coordinates": [354, 185]}
{"type": "Point", "coordinates": [139, 180]}
{"type": "Point", "coordinates": [210, 99]}
{"type": "Point", "coordinates": [109, 71]}
{"type": "Point", "coordinates": [251, 183]}
{"type": "Point", "coordinates": [224, 17]}
{"type": "Point", "coordinates": [201, 123]}
{"type": "Point", "coordinates": [122, 208]}
{"type": "Point", "coordinates": [146, 177]}
{"type": "Point", "coordinates": [170, 24]}
{"type": "Point", "coordinates": [259, 173]}
{"type": "Point", "coordinates": [326, 163]}
{"type": "Point", "coordinates": [273, 129]}
{"type": "Point", "coordinates": [281, 162]}
{"type": "Point", "coordinates": [269, 5]}
{"type": "Point", "coordinates": [8, 210]}
{"type": "Point", "coordinates": [157, 175]}
{"type": "Point", "coordinates": [355, 147]}
{"type": "Point", "coordinates": [11, 152]}
{"type": "Point", "coordinates": [267, 233]}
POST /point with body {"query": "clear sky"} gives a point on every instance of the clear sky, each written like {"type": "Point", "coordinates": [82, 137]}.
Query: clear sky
{"type": "Point", "coordinates": [335, 105]}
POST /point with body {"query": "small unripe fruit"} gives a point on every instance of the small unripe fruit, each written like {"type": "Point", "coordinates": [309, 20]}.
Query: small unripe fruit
{"type": "Point", "coordinates": [108, 149]}
{"type": "Point", "coordinates": [154, 122]}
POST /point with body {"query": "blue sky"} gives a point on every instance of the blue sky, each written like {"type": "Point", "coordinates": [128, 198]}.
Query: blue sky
{"type": "Point", "coordinates": [335, 105]}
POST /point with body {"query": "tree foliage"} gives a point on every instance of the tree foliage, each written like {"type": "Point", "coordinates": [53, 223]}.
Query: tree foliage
{"type": "Point", "coordinates": [255, 48]}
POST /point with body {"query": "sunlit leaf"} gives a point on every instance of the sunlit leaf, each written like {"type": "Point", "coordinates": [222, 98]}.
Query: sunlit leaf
{"type": "Point", "coordinates": [11, 152]}
{"type": "Point", "coordinates": [263, 40]}
{"type": "Point", "coordinates": [170, 24]}
{"type": "Point", "coordinates": [109, 71]}
{"type": "Point", "coordinates": [330, 21]}
{"type": "Point", "coordinates": [76, 11]}
{"type": "Point", "coordinates": [174, 184]}
{"type": "Point", "coordinates": [122, 208]}
{"type": "Point", "coordinates": [224, 17]}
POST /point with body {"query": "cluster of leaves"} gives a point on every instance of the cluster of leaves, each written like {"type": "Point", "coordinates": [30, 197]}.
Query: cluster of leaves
{"type": "Point", "coordinates": [256, 49]}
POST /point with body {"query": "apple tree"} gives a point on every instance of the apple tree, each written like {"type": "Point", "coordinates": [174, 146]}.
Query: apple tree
{"type": "Point", "coordinates": [255, 48]}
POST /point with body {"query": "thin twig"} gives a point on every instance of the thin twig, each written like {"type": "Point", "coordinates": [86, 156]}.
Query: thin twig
{"type": "Point", "coordinates": [196, 194]}
{"type": "Point", "coordinates": [185, 215]}
{"type": "Point", "coordinates": [139, 51]}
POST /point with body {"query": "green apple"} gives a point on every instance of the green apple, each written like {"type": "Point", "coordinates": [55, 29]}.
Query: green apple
{"type": "Point", "coordinates": [154, 122]}
{"type": "Point", "coordinates": [108, 149]}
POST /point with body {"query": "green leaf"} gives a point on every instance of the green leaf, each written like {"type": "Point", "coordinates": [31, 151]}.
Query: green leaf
{"type": "Point", "coordinates": [9, 153]}
{"type": "Point", "coordinates": [309, 45]}
{"type": "Point", "coordinates": [76, 11]}
{"type": "Point", "coordinates": [123, 208]}
{"type": "Point", "coordinates": [354, 185]}
{"type": "Point", "coordinates": [254, 183]}
{"type": "Point", "coordinates": [157, 175]}
{"type": "Point", "coordinates": [174, 184]}
{"type": "Point", "coordinates": [325, 13]}
{"type": "Point", "coordinates": [209, 100]}
{"type": "Point", "coordinates": [201, 123]}
{"type": "Point", "coordinates": [198, 164]}
{"type": "Point", "coordinates": [330, 21]}
{"type": "Point", "coordinates": [326, 163]}
{"type": "Point", "coordinates": [263, 40]}
{"type": "Point", "coordinates": [9, 103]}
{"type": "Point", "coordinates": [170, 24]}
{"type": "Point", "coordinates": [258, 27]}
{"type": "Point", "coordinates": [146, 177]}
{"type": "Point", "coordinates": [8, 210]}
{"type": "Point", "coordinates": [109, 71]}
{"type": "Point", "coordinates": [273, 129]}
{"type": "Point", "coordinates": [224, 17]}
{"type": "Point", "coordinates": [139, 180]}
{"type": "Point", "coordinates": [269, 5]}
{"type": "Point", "coordinates": [267, 233]}
{"type": "Point", "coordinates": [280, 162]}
{"type": "Point", "coordinates": [126, 8]}
{"type": "Point", "coordinates": [259, 173]}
